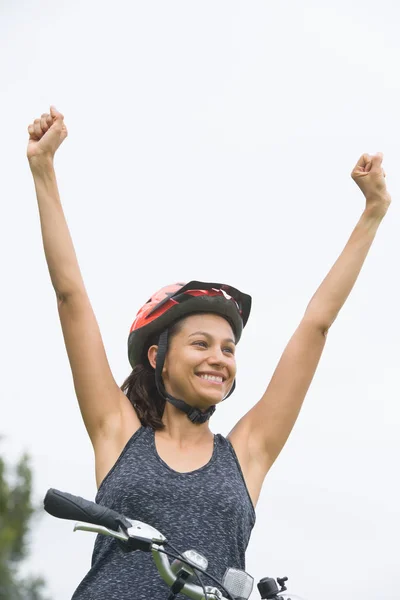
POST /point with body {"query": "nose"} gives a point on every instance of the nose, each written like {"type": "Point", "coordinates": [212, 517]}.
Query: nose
{"type": "Point", "coordinates": [216, 356]}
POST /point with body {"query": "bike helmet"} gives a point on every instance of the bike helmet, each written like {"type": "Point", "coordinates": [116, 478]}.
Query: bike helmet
{"type": "Point", "coordinates": [172, 303]}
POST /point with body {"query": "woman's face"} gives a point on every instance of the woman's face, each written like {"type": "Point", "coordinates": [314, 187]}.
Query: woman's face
{"type": "Point", "coordinates": [200, 364]}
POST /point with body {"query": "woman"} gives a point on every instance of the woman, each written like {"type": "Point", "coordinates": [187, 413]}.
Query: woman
{"type": "Point", "coordinates": [156, 458]}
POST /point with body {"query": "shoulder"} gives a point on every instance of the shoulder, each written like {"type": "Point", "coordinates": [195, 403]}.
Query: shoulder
{"type": "Point", "coordinates": [253, 471]}
{"type": "Point", "coordinates": [110, 451]}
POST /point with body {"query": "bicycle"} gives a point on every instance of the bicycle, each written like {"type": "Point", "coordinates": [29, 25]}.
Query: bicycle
{"type": "Point", "coordinates": [186, 566]}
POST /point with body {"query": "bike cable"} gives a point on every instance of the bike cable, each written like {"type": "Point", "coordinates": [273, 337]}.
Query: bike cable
{"type": "Point", "coordinates": [195, 572]}
{"type": "Point", "coordinates": [179, 557]}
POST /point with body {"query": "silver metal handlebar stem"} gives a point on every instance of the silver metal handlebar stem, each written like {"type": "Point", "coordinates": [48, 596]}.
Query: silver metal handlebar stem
{"type": "Point", "coordinates": [191, 590]}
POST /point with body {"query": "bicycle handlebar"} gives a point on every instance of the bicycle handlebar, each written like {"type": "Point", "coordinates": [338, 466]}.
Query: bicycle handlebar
{"type": "Point", "coordinates": [136, 535]}
{"type": "Point", "coordinates": [66, 506]}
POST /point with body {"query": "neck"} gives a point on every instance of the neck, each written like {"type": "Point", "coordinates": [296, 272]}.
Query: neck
{"type": "Point", "coordinates": [180, 429]}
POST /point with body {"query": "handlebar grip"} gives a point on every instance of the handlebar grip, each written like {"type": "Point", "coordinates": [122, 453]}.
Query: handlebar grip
{"type": "Point", "coordinates": [66, 506]}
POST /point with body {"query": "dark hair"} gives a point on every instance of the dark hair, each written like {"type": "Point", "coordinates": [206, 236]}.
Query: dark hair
{"type": "Point", "coordinates": [140, 386]}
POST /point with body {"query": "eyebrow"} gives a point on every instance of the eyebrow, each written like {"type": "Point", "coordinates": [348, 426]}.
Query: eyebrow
{"type": "Point", "coordinates": [210, 336]}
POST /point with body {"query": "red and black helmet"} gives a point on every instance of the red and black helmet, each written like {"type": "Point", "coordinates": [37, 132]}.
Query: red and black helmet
{"type": "Point", "coordinates": [172, 303]}
{"type": "Point", "coordinates": [180, 300]}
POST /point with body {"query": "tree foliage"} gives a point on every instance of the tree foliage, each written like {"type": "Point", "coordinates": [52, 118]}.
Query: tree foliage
{"type": "Point", "coordinates": [16, 512]}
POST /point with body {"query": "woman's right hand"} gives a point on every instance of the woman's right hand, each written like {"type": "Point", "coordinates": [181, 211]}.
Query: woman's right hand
{"type": "Point", "coordinates": [45, 136]}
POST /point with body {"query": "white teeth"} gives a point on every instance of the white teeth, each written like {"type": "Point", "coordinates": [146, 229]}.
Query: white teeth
{"type": "Point", "coordinates": [212, 378]}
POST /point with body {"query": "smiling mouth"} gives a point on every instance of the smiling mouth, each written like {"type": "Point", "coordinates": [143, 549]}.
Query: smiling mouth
{"type": "Point", "coordinates": [212, 379]}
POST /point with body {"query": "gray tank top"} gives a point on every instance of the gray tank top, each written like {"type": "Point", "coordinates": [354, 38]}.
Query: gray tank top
{"type": "Point", "coordinates": [208, 510]}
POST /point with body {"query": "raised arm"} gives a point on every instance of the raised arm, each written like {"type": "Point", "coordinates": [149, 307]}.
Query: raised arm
{"type": "Point", "coordinates": [103, 405]}
{"type": "Point", "coordinates": [261, 434]}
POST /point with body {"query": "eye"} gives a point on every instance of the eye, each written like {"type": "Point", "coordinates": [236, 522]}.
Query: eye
{"type": "Point", "coordinates": [201, 343]}
{"type": "Point", "coordinates": [229, 349]}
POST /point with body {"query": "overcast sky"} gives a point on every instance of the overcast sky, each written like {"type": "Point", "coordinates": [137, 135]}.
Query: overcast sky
{"type": "Point", "coordinates": [213, 140]}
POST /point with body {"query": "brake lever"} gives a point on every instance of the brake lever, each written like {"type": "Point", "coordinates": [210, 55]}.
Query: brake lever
{"type": "Point", "coordinates": [137, 531]}
{"type": "Point", "coordinates": [146, 532]}
{"type": "Point", "coordinates": [119, 535]}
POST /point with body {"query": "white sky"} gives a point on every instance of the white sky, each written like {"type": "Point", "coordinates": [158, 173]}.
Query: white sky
{"type": "Point", "coordinates": [214, 140]}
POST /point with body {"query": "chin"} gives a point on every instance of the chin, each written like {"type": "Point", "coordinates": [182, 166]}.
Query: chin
{"type": "Point", "coordinates": [214, 397]}
{"type": "Point", "coordinates": [208, 396]}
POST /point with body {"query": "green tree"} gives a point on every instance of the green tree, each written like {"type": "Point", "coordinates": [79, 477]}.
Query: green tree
{"type": "Point", "coordinates": [16, 512]}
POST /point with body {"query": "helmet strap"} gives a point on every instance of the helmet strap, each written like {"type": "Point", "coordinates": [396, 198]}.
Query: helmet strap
{"type": "Point", "coordinates": [194, 414]}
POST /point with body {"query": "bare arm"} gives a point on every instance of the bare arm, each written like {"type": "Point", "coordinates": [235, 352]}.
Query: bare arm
{"type": "Point", "coordinates": [103, 405]}
{"type": "Point", "coordinates": [261, 434]}
{"type": "Point", "coordinates": [57, 243]}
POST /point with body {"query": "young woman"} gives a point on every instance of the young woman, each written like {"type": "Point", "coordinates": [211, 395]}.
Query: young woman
{"type": "Point", "coordinates": [156, 458]}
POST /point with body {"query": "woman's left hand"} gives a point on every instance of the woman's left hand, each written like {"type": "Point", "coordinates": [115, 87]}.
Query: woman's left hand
{"type": "Point", "coordinates": [370, 178]}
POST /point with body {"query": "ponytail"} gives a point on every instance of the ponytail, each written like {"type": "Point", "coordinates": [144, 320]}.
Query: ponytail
{"type": "Point", "coordinates": [140, 389]}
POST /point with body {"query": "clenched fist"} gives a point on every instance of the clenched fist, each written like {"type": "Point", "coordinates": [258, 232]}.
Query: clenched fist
{"type": "Point", "coordinates": [370, 178]}
{"type": "Point", "coordinates": [45, 136]}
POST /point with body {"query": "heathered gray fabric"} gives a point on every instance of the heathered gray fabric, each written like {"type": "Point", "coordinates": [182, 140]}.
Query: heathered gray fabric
{"type": "Point", "coordinates": [208, 510]}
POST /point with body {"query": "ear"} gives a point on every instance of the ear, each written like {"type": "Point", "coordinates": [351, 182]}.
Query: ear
{"type": "Point", "coordinates": [152, 355]}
